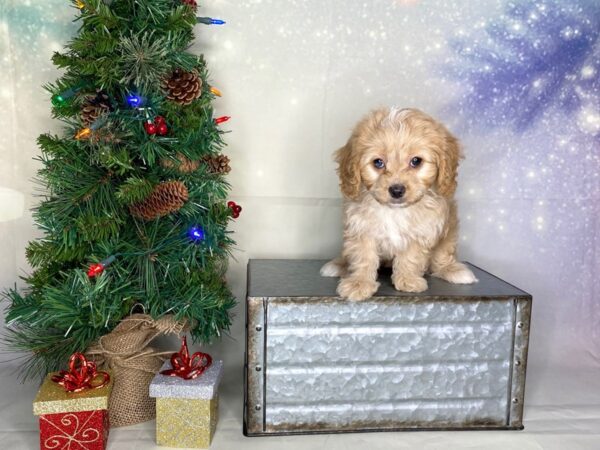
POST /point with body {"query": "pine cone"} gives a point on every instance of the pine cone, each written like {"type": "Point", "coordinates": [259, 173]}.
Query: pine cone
{"type": "Point", "coordinates": [182, 163]}
{"type": "Point", "coordinates": [183, 87]}
{"type": "Point", "coordinates": [94, 107]}
{"type": "Point", "coordinates": [89, 113]}
{"type": "Point", "coordinates": [102, 99]}
{"type": "Point", "coordinates": [217, 164]}
{"type": "Point", "coordinates": [165, 199]}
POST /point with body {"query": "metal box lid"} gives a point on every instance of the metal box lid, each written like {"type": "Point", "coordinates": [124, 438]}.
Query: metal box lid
{"type": "Point", "coordinates": [301, 278]}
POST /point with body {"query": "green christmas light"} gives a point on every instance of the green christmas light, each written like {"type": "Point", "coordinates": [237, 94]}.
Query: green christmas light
{"type": "Point", "coordinates": [58, 100]}
{"type": "Point", "coordinates": [61, 98]}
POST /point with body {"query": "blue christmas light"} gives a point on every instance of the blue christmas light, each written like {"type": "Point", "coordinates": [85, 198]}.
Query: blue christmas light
{"type": "Point", "coordinates": [134, 100]}
{"type": "Point", "coordinates": [196, 234]}
{"type": "Point", "coordinates": [210, 21]}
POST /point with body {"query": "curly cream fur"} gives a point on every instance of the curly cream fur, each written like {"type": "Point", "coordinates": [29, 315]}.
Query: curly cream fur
{"type": "Point", "coordinates": [414, 234]}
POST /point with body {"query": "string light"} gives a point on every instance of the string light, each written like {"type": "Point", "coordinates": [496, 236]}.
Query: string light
{"type": "Point", "coordinates": [79, 4]}
{"type": "Point", "coordinates": [58, 100]}
{"type": "Point", "coordinates": [216, 91]}
{"type": "Point", "coordinates": [134, 100]}
{"type": "Point", "coordinates": [210, 21]}
{"type": "Point", "coordinates": [86, 132]}
{"type": "Point", "coordinates": [97, 269]}
{"type": "Point", "coordinates": [222, 119]}
{"type": "Point", "coordinates": [61, 99]}
{"type": "Point", "coordinates": [196, 234]}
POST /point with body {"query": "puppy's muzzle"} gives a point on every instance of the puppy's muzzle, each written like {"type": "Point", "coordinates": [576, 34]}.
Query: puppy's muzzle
{"type": "Point", "coordinates": [397, 191]}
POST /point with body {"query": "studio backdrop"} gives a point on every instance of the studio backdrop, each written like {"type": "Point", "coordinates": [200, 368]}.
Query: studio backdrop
{"type": "Point", "coordinates": [517, 81]}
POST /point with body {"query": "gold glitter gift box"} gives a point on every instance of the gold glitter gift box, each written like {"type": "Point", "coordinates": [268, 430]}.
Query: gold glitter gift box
{"type": "Point", "coordinates": [72, 419]}
{"type": "Point", "coordinates": [187, 411]}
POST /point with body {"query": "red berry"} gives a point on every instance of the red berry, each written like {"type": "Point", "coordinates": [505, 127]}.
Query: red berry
{"type": "Point", "coordinates": [150, 128]}
{"type": "Point", "coordinates": [162, 129]}
{"type": "Point", "coordinates": [237, 209]}
{"type": "Point", "coordinates": [231, 204]}
{"type": "Point", "coordinates": [191, 3]}
{"type": "Point", "coordinates": [159, 119]}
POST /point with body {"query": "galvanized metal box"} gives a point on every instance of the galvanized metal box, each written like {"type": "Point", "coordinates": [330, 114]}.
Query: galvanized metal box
{"type": "Point", "coordinates": [453, 357]}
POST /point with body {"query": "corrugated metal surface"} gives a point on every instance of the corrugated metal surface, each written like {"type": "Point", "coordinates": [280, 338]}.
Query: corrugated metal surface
{"type": "Point", "coordinates": [453, 357]}
{"type": "Point", "coordinates": [341, 364]}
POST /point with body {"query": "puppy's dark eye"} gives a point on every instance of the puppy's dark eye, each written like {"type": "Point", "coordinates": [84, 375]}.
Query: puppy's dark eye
{"type": "Point", "coordinates": [378, 163]}
{"type": "Point", "coordinates": [416, 161]}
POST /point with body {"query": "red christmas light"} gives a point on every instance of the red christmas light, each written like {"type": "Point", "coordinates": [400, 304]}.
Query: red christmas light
{"type": "Point", "coordinates": [95, 270]}
{"type": "Point", "coordinates": [222, 119]}
{"type": "Point", "coordinates": [98, 268]}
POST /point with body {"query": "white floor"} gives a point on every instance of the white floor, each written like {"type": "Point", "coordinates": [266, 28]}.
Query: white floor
{"type": "Point", "coordinates": [570, 422]}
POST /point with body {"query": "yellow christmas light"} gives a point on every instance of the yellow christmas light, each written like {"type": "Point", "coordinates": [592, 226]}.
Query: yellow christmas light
{"type": "Point", "coordinates": [216, 92]}
{"type": "Point", "coordinates": [83, 133]}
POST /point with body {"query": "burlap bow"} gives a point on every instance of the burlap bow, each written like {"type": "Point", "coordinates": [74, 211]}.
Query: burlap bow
{"type": "Point", "coordinates": [126, 352]}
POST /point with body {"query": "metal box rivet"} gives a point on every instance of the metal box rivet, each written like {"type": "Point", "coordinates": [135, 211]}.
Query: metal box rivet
{"type": "Point", "coordinates": [520, 325]}
{"type": "Point", "coordinates": [258, 328]}
{"type": "Point", "coordinates": [258, 368]}
{"type": "Point", "coordinates": [515, 400]}
{"type": "Point", "coordinates": [258, 407]}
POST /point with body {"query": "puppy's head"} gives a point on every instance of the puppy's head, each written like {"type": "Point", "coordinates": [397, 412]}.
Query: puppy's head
{"type": "Point", "coordinates": [397, 155]}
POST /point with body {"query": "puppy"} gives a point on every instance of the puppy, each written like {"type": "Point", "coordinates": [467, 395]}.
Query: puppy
{"type": "Point", "coordinates": [398, 176]}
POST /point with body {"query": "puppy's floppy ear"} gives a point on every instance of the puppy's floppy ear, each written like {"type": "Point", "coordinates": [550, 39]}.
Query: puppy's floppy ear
{"type": "Point", "coordinates": [349, 170]}
{"type": "Point", "coordinates": [449, 156]}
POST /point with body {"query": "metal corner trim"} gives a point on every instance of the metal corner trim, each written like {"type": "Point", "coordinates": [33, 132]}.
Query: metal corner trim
{"type": "Point", "coordinates": [519, 363]}
{"type": "Point", "coordinates": [254, 365]}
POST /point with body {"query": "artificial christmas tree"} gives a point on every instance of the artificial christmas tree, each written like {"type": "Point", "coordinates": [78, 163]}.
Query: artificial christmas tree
{"type": "Point", "coordinates": [121, 228]}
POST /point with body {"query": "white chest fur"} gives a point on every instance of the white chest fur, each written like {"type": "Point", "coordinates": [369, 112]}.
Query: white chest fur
{"type": "Point", "coordinates": [394, 228]}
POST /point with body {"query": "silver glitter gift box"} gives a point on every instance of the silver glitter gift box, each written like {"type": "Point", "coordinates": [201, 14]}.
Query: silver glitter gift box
{"type": "Point", "coordinates": [453, 357]}
{"type": "Point", "coordinates": [187, 411]}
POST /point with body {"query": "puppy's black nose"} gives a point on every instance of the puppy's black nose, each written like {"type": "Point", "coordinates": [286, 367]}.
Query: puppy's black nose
{"type": "Point", "coordinates": [397, 190]}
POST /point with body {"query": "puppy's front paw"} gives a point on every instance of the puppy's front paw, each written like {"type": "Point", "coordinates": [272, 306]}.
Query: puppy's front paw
{"type": "Point", "coordinates": [456, 273]}
{"type": "Point", "coordinates": [356, 289]}
{"type": "Point", "coordinates": [409, 283]}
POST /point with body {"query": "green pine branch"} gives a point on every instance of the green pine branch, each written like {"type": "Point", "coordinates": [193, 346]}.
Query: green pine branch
{"type": "Point", "coordinates": [86, 186]}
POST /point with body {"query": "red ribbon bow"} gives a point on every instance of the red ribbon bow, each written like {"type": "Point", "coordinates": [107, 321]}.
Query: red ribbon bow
{"type": "Point", "coordinates": [80, 376]}
{"type": "Point", "coordinates": [186, 367]}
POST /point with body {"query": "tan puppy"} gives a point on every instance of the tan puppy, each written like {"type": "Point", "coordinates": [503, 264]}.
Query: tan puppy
{"type": "Point", "coordinates": [398, 176]}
